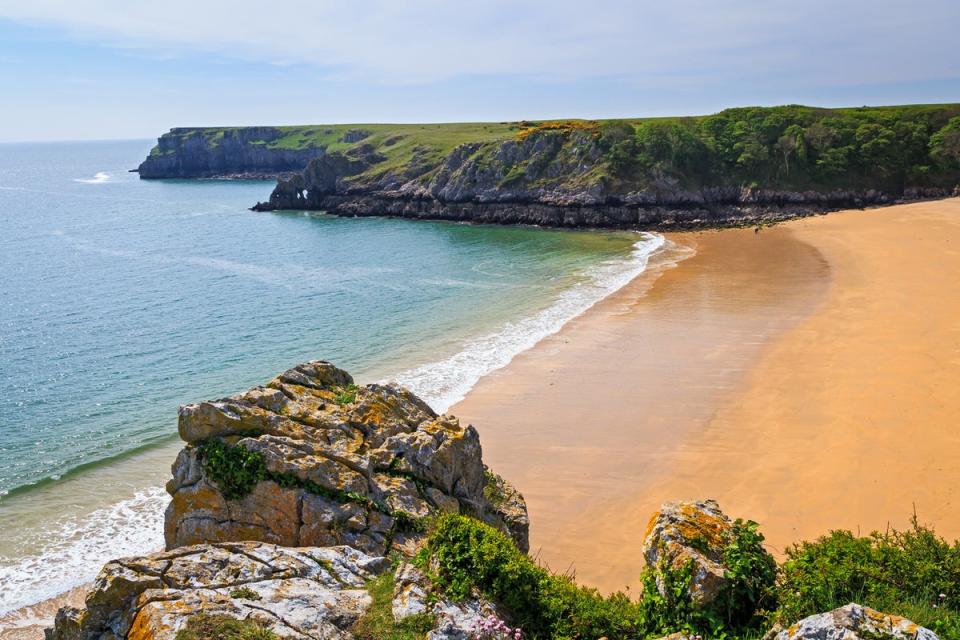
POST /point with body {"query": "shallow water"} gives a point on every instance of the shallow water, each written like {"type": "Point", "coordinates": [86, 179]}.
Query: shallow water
{"type": "Point", "coordinates": [121, 299]}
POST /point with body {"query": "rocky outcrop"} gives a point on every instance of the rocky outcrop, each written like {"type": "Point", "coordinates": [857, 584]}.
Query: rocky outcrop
{"type": "Point", "coordinates": [694, 534]}
{"type": "Point", "coordinates": [310, 459]}
{"type": "Point", "coordinates": [302, 593]}
{"type": "Point", "coordinates": [241, 152]}
{"type": "Point", "coordinates": [854, 622]}
{"type": "Point", "coordinates": [298, 593]}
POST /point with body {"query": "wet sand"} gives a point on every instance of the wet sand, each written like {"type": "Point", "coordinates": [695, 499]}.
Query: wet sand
{"type": "Point", "coordinates": [804, 376]}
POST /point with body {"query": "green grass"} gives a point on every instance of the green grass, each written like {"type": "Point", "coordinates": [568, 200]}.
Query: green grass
{"type": "Point", "coordinates": [244, 593]}
{"type": "Point", "coordinates": [378, 622]}
{"type": "Point", "coordinates": [219, 627]}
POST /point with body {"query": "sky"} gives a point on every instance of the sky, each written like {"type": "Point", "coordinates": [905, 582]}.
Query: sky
{"type": "Point", "coordinates": [115, 69]}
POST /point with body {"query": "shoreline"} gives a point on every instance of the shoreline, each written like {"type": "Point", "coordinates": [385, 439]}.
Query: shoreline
{"type": "Point", "coordinates": [754, 373]}
{"type": "Point", "coordinates": [604, 279]}
{"type": "Point", "coordinates": [659, 296]}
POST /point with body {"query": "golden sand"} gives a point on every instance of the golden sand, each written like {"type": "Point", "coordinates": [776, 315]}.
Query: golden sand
{"type": "Point", "coordinates": [805, 376]}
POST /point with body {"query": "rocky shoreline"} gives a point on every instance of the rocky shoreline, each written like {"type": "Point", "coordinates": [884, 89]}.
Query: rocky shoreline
{"type": "Point", "coordinates": [689, 211]}
{"type": "Point", "coordinates": [313, 508]}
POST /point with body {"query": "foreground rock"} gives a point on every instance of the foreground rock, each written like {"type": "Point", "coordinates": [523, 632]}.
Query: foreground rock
{"type": "Point", "coordinates": [310, 459]}
{"type": "Point", "coordinates": [690, 532]}
{"type": "Point", "coordinates": [309, 593]}
{"type": "Point", "coordinates": [415, 595]}
{"type": "Point", "coordinates": [855, 622]}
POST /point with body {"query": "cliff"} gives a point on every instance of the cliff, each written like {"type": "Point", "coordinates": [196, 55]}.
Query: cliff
{"type": "Point", "coordinates": [738, 166]}
{"type": "Point", "coordinates": [243, 152]}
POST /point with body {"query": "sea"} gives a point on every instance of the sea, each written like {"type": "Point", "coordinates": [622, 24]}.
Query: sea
{"type": "Point", "coordinates": [121, 299]}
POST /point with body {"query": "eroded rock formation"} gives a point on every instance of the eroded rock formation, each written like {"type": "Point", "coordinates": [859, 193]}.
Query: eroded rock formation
{"type": "Point", "coordinates": [310, 459]}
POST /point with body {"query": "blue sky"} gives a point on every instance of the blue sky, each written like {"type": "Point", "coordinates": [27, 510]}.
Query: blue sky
{"type": "Point", "coordinates": [112, 69]}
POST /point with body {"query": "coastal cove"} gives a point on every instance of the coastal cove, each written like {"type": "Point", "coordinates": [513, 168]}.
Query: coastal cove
{"type": "Point", "coordinates": [125, 298]}
{"type": "Point", "coordinates": [605, 372]}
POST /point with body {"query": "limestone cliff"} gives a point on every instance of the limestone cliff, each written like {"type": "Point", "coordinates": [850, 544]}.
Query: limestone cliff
{"type": "Point", "coordinates": [243, 152]}
{"type": "Point", "coordinates": [310, 459]}
{"type": "Point", "coordinates": [561, 176]}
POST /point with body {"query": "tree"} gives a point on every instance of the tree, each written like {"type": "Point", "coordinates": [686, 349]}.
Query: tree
{"type": "Point", "coordinates": [945, 145]}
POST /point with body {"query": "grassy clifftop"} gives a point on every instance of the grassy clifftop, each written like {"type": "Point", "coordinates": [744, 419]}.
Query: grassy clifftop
{"type": "Point", "coordinates": [789, 147]}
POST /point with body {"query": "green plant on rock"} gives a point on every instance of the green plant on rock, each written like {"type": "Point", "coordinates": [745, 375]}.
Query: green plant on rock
{"type": "Point", "coordinates": [234, 468]}
{"type": "Point", "coordinates": [346, 395]}
{"type": "Point", "coordinates": [244, 593]}
{"type": "Point", "coordinates": [751, 574]}
{"type": "Point", "coordinates": [378, 622]}
{"type": "Point", "coordinates": [204, 626]}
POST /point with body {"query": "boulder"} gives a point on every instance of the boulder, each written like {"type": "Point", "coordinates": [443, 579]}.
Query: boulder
{"type": "Point", "coordinates": [690, 532]}
{"type": "Point", "coordinates": [297, 593]}
{"type": "Point", "coordinates": [311, 459]}
{"type": "Point", "coordinates": [855, 622]}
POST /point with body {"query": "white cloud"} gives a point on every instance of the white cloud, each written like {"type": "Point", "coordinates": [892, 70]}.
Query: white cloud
{"type": "Point", "coordinates": [653, 42]}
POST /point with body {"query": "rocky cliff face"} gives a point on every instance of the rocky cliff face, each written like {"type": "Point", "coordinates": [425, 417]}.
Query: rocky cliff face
{"type": "Point", "coordinates": [310, 459]}
{"type": "Point", "coordinates": [244, 152]}
{"type": "Point", "coordinates": [559, 178]}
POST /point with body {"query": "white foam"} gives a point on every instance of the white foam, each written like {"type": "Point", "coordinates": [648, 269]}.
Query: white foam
{"type": "Point", "coordinates": [444, 383]}
{"type": "Point", "coordinates": [101, 176]}
{"type": "Point", "coordinates": [76, 548]}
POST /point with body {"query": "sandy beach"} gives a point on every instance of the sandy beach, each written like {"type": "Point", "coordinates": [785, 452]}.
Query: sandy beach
{"type": "Point", "coordinates": [804, 376]}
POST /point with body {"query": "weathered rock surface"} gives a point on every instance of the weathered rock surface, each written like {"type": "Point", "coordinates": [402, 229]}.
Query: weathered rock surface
{"type": "Point", "coordinates": [303, 593]}
{"type": "Point", "coordinates": [298, 593]}
{"type": "Point", "coordinates": [855, 622]}
{"type": "Point", "coordinates": [331, 464]}
{"type": "Point", "coordinates": [690, 532]}
{"type": "Point", "coordinates": [415, 595]}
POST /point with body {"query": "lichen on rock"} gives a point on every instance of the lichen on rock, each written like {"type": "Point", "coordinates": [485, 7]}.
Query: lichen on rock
{"type": "Point", "coordinates": [855, 622]}
{"type": "Point", "coordinates": [690, 533]}
{"type": "Point", "coordinates": [311, 459]}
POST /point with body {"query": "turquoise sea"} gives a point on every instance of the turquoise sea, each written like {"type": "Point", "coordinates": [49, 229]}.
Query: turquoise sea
{"type": "Point", "coordinates": [121, 299]}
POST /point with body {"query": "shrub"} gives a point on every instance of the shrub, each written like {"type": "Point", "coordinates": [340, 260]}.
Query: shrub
{"type": "Point", "coordinates": [898, 572]}
{"type": "Point", "coordinates": [464, 554]}
{"type": "Point", "coordinates": [378, 622]}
